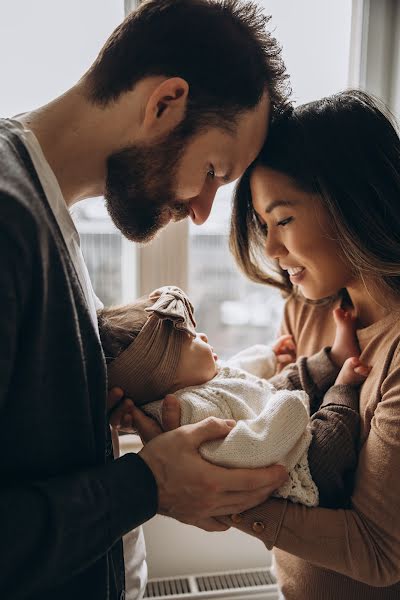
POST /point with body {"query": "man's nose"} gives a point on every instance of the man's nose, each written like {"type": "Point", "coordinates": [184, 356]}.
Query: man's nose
{"type": "Point", "coordinates": [201, 205]}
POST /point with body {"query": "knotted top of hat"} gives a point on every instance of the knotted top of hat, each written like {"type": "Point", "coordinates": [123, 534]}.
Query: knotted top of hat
{"type": "Point", "coordinates": [145, 370]}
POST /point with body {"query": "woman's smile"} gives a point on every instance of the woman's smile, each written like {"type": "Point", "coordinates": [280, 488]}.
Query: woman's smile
{"type": "Point", "coordinates": [296, 274]}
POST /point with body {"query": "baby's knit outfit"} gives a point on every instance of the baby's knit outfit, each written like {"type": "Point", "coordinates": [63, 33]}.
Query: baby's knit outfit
{"type": "Point", "coordinates": [272, 425]}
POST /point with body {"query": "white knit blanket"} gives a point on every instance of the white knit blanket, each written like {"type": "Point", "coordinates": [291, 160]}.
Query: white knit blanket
{"type": "Point", "coordinates": [272, 426]}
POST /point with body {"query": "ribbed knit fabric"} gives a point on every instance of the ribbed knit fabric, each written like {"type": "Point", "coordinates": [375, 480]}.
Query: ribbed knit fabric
{"type": "Point", "coordinates": [346, 554]}
{"type": "Point", "coordinates": [146, 368]}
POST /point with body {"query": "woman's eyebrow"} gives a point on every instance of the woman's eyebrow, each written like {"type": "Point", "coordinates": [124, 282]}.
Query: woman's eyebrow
{"type": "Point", "coordinates": [275, 203]}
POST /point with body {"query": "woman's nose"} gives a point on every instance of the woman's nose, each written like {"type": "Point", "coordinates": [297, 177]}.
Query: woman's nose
{"type": "Point", "coordinates": [203, 337]}
{"type": "Point", "coordinates": [274, 247]}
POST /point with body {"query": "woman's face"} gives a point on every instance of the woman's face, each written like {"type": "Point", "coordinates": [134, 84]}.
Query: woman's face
{"type": "Point", "coordinates": [299, 234]}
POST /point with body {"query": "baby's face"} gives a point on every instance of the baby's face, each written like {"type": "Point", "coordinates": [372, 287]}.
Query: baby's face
{"type": "Point", "coordinates": [197, 363]}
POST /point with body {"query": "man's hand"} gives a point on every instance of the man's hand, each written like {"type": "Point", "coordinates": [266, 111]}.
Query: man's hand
{"type": "Point", "coordinates": [124, 416]}
{"type": "Point", "coordinates": [122, 411]}
{"type": "Point", "coordinates": [192, 490]}
{"type": "Point", "coordinates": [189, 488]}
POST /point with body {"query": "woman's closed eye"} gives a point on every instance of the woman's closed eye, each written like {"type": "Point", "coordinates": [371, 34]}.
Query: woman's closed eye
{"type": "Point", "coordinates": [284, 222]}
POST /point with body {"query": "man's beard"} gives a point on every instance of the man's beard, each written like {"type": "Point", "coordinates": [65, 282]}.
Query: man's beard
{"type": "Point", "coordinates": [140, 187]}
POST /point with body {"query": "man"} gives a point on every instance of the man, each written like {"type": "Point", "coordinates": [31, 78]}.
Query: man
{"type": "Point", "coordinates": [176, 104]}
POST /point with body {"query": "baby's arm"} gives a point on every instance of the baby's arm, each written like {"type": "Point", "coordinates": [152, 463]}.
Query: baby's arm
{"type": "Point", "coordinates": [314, 374]}
{"type": "Point", "coordinates": [333, 455]}
{"type": "Point", "coordinates": [264, 361]}
{"type": "Point", "coordinates": [335, 429]}
{"type": "Point", "coordinates": [259, 360]}
{"type": "Point", "coordinates": [317, 373]}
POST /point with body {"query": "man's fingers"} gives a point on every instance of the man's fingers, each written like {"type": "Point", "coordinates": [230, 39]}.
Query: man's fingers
{"type": "Point", "coordinates": [211, 525]}
{"type": "Point", "coordinates": [171, 413]}
{"type": "Point", "coordinates": [237, 503]}
{"type": "Point", "coordinates": [245, 480]}
{"type": "Point", "coordinates": [127, 422]}
{"type": "Point", "coordinates": [116, 417]}
{"type": "Point", "coordinates": [146, 427]}
{"type": "Point", "coordinates": [114, 396]}
{"type": "Point", "coordinates": [209, 429]}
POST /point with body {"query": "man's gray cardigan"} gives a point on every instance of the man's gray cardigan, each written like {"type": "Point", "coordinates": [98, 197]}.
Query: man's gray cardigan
{"type": "Point", "coordinates": [64, 502]}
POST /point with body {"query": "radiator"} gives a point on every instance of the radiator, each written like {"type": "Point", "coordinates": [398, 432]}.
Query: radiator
{"type": "Point", "coordinates": [249, 584]}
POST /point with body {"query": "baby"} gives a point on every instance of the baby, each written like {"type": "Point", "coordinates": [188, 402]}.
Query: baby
{"type": "Point", "coordinates": [152, 349]}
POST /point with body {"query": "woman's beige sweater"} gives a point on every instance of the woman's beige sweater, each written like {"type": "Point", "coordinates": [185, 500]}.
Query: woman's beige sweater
{"type": "Point", "coordinates": [328, 554]}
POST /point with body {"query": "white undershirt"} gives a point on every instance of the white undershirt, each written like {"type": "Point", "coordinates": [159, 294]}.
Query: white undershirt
{"type": "Point", "coordinates": [58, 206]}
{"type": "Point", "coordinates": [134, 545]}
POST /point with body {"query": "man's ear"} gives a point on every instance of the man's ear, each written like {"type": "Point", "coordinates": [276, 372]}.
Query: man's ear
{"type": "Point", "coordinates": [165, 107]}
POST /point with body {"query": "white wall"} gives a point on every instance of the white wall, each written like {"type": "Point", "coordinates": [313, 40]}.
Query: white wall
{"type": "Point", "coordinates": [46, 45]}
{"type": "Point", "coordinates": [315, 38]}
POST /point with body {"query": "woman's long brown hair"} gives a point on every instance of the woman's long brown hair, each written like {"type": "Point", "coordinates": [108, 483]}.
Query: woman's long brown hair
{"type": "Point", "coordinates": [346, 149]}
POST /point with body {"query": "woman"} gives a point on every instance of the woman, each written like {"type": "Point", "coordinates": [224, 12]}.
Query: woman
{"type": "Point", "coordinates": [322, 202]}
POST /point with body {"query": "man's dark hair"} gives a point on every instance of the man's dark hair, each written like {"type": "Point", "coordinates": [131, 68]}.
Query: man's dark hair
{"type": "Point", "coordinates": [220, 47]}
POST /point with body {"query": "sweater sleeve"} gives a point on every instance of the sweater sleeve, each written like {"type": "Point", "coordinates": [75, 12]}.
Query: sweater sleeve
{"type": "Point", "coordinates": [335, 422]}
{"type": "Point", "coordinates": [363, 541]}
{"type": "Point", "coordinates": [333, 454]}
{"type": "Point", "coordinates": [54, 528]}
{"type": "Point", "coordinates": [314, 375]}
